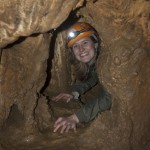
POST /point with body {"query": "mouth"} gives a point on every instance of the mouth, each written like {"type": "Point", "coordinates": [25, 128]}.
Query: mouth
{"type": "Point", "coordinates": [84, 54]}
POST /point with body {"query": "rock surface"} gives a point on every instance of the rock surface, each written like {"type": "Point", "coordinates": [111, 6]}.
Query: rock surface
{"type": "Point", "coordinates": [123, 67]}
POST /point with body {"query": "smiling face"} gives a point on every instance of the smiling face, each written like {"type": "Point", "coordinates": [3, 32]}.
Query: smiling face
{"type": "Point", "coordinates": [84, 49]}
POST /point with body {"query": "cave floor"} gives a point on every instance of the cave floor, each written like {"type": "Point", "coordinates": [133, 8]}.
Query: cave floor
{"type": "Point", "coordinates": [13, 136]}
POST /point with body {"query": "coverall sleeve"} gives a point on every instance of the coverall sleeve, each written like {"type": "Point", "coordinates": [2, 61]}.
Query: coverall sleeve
{"type": "Point", "coordinates": [84, 86]}
{"type": "Point", "coordinates": [91, 109]}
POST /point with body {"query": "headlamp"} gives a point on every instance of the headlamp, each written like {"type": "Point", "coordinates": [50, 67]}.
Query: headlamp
{"type": "Point", "coordinates": [71, 34]}
{"type": "Point", "coordinates": [74, 34]}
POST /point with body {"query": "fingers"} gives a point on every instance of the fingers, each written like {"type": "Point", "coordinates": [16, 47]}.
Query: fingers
{"type": "Point", "coordinates": [74, 128]}
{"type": "Point", "coordinates": [58, 97]}
{"type": "Point", "coordinates": [64, 125]}
{"type": "Point", "coordinates": [68, 128]}
{"type": "Point", "coordinates": [63, 128]}
{"type": "Point", "coordinates": [58, 121]}
{"type": "Point", "coordinates": [62, 96]}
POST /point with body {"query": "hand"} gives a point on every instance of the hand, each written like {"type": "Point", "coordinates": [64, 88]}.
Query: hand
{"type": "Point", "coordinates": [62, 97]}
{"type": "Point", "coordinates": [66, 123]}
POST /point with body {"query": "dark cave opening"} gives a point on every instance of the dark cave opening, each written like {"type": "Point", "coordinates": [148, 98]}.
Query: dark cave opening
{"type": "Point", "coordinates": [72, 18]}
{"type": "Point", "coordinates": [15, 117]}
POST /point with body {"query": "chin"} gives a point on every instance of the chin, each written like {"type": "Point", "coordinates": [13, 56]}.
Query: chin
{"type": "Point", "coordinates": [85, 61]}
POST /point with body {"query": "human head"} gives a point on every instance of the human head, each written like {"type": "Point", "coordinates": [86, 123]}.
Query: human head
{"type": "Point", "coordinates": [79, 31]}
{"type": "Point", "coordinates": [84, 50]}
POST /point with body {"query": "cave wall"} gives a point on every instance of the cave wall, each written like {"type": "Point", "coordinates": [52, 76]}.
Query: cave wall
{"type": "Point", "coordinates": [60, 70]}
{"type": "Point", "coordinates": [24, 51]}
{"type": "Point", "coordinates": [124, 69]}
{"type": "Point", "coordinates": [123, 66]}
{"type": "Point", "coordinates": [25, 17]}
{"type": "Point", "coordinates": [23, 74]}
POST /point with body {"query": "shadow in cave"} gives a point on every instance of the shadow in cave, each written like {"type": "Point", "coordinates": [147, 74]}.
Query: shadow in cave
{"type": "Point", "coordinates": [73, 18]}
{"type": "Point", "coordinates": [42, 142]}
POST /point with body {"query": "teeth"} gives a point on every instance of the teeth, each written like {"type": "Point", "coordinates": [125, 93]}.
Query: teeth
{"type": "Point", "coordinates": [83, 54]}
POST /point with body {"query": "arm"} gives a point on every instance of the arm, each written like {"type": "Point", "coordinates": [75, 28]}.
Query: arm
{"type": "Point", "coordinates": [85, 85]}
{"type": "Point", "coordinates": [90, 110]}
{"type": "Point", "coordinates": [78, 89]}
{"type": "Point", "coordinates": [85, 114]}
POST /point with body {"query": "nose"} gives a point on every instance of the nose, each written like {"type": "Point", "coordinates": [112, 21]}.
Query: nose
{"type": "Point", "coordinates": [81, 48]}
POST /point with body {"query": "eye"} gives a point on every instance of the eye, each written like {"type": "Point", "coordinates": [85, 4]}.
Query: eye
{"type": "Point", "coordinates": [75, 46]}
{"type": "Point", "coordinates": [85, 42]}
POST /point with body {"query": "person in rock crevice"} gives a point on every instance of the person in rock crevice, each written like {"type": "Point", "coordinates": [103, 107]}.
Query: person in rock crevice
{"type": "Point", "coordinates": [84, 45]}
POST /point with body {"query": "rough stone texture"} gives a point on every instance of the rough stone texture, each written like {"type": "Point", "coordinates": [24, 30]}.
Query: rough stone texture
{"type": "Point", "coordinates": [23, 74]}
{"type": "Point", "coordinates": [123, 67]}
{"type": "Point", "coordinates": [60, 68]}
{"type": "Point", "coordinates": [25, 17]}
{"type": "Point", "coordinates": [23, 64]}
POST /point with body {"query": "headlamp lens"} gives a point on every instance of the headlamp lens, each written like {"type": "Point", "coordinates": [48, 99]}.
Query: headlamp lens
{"type": "Point", "coordinates": [71, 34]}
{"type": "Point", "coordinates": [74, 34]}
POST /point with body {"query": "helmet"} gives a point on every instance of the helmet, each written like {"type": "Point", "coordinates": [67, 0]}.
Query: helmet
{"type": "Point", "coordinates": [79, 31]}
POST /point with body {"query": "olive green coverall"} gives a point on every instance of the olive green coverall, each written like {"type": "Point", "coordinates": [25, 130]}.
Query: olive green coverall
{"type": "Point", "coordinates": [102, 102]}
